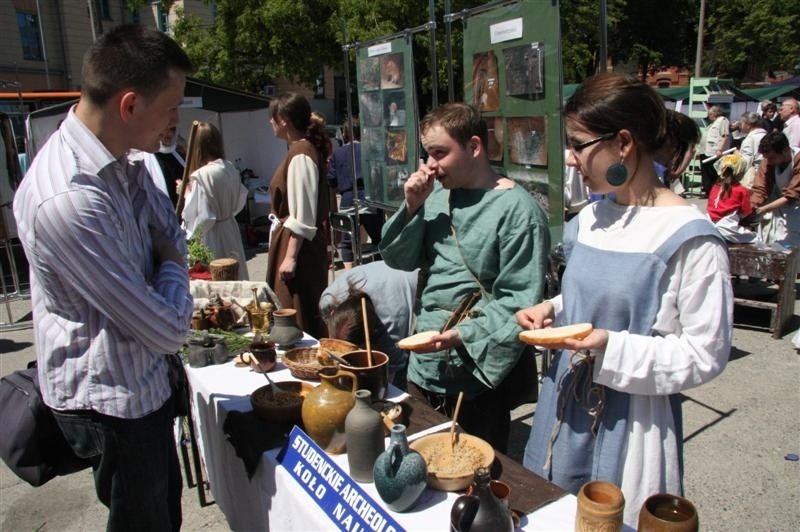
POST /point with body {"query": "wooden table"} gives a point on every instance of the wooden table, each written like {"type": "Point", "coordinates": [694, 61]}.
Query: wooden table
{"type": "Point", "coordinates": [778, 266]}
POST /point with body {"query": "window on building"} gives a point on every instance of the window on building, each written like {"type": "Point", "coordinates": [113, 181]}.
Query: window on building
{"type": "Point", "coordinates": [28, 24]}
{"type": "Point", "coordinates": [102, 9]}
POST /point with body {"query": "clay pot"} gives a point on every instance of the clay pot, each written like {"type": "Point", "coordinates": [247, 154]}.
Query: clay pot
{"type": "Point", "coordinates": [374, 378]}
{"type": "Point", "coordinates": [325, 410]}
{"type": "Point", "coordinates": [400, 473]}
{"type": "Point", "coordinates": [221, 316]}
{"type": "Point", "coordinates": [668, 513]}
{"type": "Point", "coordinates": [364, 434]}
{"type": "Point", "coordinates": [284, 330]}
{"type": "Point", "coordinates": [481, 510]}
{"type": "Point", "coordinates": [600, 507]}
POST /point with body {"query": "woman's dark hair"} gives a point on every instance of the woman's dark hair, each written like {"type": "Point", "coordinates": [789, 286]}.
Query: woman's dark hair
{"type": "Point", "coordinates": [356, 129]}
{"type": "Point", "coordinates": [130, 57]}
{"type": "Point", "coordinates": [345, 321]}
{"type": "Point", "coordinates": [208, 146]}
{"type": "Point", "coordinates": [295, 109]}
{"type": "Point", "coordinates": [682, 132]}
{"type": "Point", "coordinates": [610, 102]}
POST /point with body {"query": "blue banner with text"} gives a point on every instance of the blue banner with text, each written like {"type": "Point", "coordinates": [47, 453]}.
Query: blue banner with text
{"type": "Point", "coordinates": [339, 496]}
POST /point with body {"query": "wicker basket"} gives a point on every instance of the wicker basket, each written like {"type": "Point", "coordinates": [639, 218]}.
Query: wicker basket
{"type": "Point", "coordinates": [303, 362]}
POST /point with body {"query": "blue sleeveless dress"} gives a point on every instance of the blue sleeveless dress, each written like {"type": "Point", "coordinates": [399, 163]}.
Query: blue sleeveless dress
{"type": "Point", "coordinates": [617, 291]}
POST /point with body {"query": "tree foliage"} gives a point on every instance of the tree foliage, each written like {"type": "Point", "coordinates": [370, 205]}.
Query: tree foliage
{"type": "Point", "coordinates": [254, 42]}
{"type": "Point", "coordinates": [749, 38]}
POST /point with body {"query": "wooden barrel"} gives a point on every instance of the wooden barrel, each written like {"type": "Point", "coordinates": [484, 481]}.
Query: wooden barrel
{"type": "Point", "coordinates": [226, 269]}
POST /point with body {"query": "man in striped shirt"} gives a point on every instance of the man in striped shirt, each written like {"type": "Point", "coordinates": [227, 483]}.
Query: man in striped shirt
{"type": "Point", "coordinates": [109, 286]}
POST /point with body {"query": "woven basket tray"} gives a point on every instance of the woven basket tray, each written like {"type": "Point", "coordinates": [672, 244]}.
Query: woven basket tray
{"type": "Point", "coordinates": [303, 363]}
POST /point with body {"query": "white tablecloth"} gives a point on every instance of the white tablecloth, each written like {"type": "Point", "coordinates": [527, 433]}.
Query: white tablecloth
{"type": "Point", "coordinates": [272, 500]}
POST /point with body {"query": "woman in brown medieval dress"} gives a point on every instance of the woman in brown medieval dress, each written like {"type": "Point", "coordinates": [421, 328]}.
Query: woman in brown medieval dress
{"type": "Point", "coordinates": [298, 263]}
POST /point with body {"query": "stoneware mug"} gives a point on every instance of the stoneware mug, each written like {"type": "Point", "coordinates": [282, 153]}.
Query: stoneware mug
{"type": "Point", "coordinates": [667, 513]}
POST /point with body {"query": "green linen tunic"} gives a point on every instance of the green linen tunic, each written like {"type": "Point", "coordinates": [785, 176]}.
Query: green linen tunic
{"type": "Point", "coordinates": [503, 236]}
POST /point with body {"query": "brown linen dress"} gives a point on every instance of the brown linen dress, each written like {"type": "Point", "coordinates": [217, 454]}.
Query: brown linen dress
{"type": "Point", "coordinates": [311, 276]}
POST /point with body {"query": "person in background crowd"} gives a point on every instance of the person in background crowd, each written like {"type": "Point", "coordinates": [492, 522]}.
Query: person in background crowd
{"type": "Point", "coordinates": [171, 161]}
{"type": "Point", "coordinates": [751, 125]}
{"type": "Point", "coordinates": [298, 261]}
{"type": "Point", "coordinates": [214, 196]}
{"type": "Point", "coordinates": [776, 190]}
{"type": "Point", "coordinates": [673, 158]}
{"type": "Point", "coordinates": [391, 301]}
{"type": "Point", "coordinates": [717, 140]}
{"type": "Point", "coordinates": [772, 120]}
{"type": "Point", "coordinates": [729, 202]}
{"type": "Point", "coordinates": [109, 288]}
{"type": "Point", "coordinates": [651, 274]}
{"type": "Point", "coordinates": [346, 163]}
{"type": "Point", "coordinates": [790, 114]}
{"type": "Point", "coordinates": [481, 236]}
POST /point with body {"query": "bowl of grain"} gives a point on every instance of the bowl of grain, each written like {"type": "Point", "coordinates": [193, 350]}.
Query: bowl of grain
{"type": "Point", "coordinates": [282, 406]}
{"type": "Point", "coordinates": [452, 468]}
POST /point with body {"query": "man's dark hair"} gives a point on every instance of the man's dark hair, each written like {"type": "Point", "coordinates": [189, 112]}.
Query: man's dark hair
{"type": "Point", "coordinates": [131, 57]}
{"type": "Point", "coordinates": [775, 142]}
{"type": "Point", "coordinates": [460, 121]}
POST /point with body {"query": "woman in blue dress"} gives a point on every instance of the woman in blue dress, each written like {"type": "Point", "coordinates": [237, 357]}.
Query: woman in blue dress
{"type": "Point", "coordinates": [651, 274]}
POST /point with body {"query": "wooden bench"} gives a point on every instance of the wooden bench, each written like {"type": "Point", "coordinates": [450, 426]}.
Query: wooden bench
{"type": "Point", "coordinates": [780, 267]}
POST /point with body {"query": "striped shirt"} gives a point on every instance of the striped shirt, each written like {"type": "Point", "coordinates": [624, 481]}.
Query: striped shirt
{"type": "Point", "coordinates": [104, 314]}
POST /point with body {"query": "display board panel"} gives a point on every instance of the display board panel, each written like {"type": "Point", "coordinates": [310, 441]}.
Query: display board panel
{"type": "Point", "coordinates": [512, 75]}
{"type": "Point", "coordinates": [387, 104]}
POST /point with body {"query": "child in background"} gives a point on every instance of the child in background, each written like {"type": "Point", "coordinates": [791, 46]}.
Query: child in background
{"type": "Point", "coordinates": [729, 201]}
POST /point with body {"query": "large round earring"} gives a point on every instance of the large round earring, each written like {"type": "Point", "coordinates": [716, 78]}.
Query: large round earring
{"type": "Point", "coordinates": [616, 174]}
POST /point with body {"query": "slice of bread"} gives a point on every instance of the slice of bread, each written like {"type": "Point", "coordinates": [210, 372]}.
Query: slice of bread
{"type": "Point", "coordinates": [417, 341]}
{"type": "Point", "coordinates": [555, 335]}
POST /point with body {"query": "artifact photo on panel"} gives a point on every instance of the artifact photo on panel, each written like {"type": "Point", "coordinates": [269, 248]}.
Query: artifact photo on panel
{"type": "Point", "coordinates": [396, 146]}
{"type": "Point", "coordinates": [485, 82]}
{"type": "Point", "coordinates": [535, 182]}
{"type": "Point", "coordinates": [372, 141]}
{"type": "Point", "coordinates": [374, 184]}
{"type": "Point", "coordinates": [495, 148]}
{"type": "Point", "coordinates": [525, 70]}
{"type": "Point", "coordinates": [392, 71]}
{"type": "Point", "coordinates": [394, 106]}
{"type": "Point", "coordinates": [527, 140]}
{"type": "Point", "coordinates": [369, 72]}
{"type": "Point", "coordinates": [396, 177]}
{"type": "Point", "coordinates": [371, 112]}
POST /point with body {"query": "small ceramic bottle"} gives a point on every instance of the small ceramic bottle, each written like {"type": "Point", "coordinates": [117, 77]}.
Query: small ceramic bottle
{"type": "Point", "coordinates": [285, 331]}
{"type": "Point", "coordinates": [363, 428]}
{"type": "Point", "coordinates": [481, 511]}
{"type": "Point", "coordinates": [325, 409]}
{"type": "Point", "coordinates": [400, 472]}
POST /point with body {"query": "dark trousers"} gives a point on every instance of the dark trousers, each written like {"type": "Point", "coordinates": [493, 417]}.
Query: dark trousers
{"type": "Point", "coordinates": [483, 416]}
{"type": "Point", "coordinates": [135, 463]}
{"type": "Point", "coordinates": [708, 176]}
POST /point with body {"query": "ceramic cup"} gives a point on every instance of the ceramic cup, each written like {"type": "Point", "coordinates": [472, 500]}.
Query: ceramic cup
{"type": "Point", "coordinates": [374, 378]}
{"type": "Point", "coordinates": [265, 355]}
{"type": "Point", "coordinates": [600, 507]}
{"type": "Point", "coordinates": [667, 513]}
{"type": "Point", "coordinates": [499, 489]}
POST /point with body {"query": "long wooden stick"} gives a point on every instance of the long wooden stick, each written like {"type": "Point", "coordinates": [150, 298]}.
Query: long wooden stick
{"type": "Point", "coordinates": [453, 424]}
{"type": "Point", "coordinates": [185, 180]}
{"type": "Point", "coordinates": [366, 331]}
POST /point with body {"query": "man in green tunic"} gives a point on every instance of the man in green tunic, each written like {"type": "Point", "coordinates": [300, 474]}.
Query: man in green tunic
{"type": "Point", "coordinates": [473, 230]}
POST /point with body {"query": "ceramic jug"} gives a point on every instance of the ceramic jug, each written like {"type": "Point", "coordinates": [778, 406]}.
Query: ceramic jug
{"type": "Point", "coordinates": [325, 409]}
{"type": "Point", "coordinates": [364, 434]}
{"type": "Point", "coordinates": [284, 330]}
{"type": "Point", "coordinates": [481, 511]}
{"type": "Point", "coordinates": [400, 472]}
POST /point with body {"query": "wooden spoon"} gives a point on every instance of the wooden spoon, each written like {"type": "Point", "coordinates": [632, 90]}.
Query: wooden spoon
{"type": "Point", "coordinates": [453, 424]}
{"type": "Point", "coordinates": [366, 331]}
